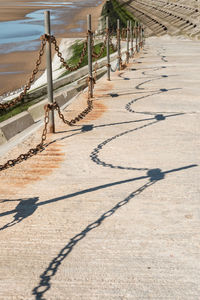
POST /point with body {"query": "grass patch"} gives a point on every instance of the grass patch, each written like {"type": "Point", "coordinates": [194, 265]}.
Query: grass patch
{"type": "Point", "coordinates": [76, 52]}
{"type": "Point", "coordinates": [114, 10]}
{"type": "Point", "coordinates": [16, 110]}
{"type": "Point", "coordinates": [77, 49]}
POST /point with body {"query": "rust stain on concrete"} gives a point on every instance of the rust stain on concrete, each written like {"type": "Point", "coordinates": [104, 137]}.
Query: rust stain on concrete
{"type": "Point", "coordinates": [107, 85]}
{"type": "Point", "coordinates": [97, 112]}
{"type": "Point", "coordinates": [32, 170]}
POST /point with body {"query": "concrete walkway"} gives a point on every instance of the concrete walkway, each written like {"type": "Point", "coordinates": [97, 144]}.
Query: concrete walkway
{"type": "Point", "coordinates": [110, 210]}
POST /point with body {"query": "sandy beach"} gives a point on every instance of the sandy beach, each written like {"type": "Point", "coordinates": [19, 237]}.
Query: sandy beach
{"type": "Point", "coordinates": [16, 67]}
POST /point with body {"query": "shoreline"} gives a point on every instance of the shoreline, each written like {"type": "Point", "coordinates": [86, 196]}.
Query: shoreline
{"type": "Point", "coordinates": [16, 67]}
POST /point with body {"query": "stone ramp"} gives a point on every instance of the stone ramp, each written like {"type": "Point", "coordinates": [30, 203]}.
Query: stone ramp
{"type": "Point", "coordinates": [110, 209]}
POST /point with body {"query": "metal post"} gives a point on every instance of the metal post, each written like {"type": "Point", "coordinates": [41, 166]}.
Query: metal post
{"type": "Point", "coordinates": [49, 70]}
{"type": "Point", "coordinates": [136, 37]}
{"type": "Point", "coordinates": [131, 34]}
{"type": "Point", "coordinates": [118, 45]}
{"type": "Point", "coordinates": [89, 27]}
{"type": "Point", "coordinates": [139, 36]}
{"type": "Point", "coordinates": [128, 37]}
{"type": "Point", "coordinates": [108, 49]}
{"type": "Point", "coordinates": [142, 35]}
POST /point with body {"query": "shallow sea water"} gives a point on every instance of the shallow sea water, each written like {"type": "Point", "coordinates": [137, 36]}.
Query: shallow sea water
{"type": "Point", "coordinates": [24, 35]}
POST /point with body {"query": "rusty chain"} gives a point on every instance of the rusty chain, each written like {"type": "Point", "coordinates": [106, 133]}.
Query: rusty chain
{"type": "Point", "coordinates": [4, 106]}
{"type": "Point", "coordinates": [119, 57]}
{"type": "Point", "coordinates": [95, 55]}
{"type": "Point", "coordinates": [113, 47]}
{"type": "Point", "coordinates": [41, 145]}
{"type": "Point", "coordinates": [55, 106]}
{"type": "Point", "coordinates": [77, 118]}
{"type": "Point", "coordinates": [90, 81]}
{"type": "Point", "coordinates": [62, 60]}
{"type": "Point", "coordinates": [95, 71]}
{"type": "Point", "coordinates": [32, 151]}
{"type": "Point", "coordinates": [127, 56]}
{"type": "Point", "coordinates": [135, 31]}
{"type": "Point", "coordinates": [123, 34]}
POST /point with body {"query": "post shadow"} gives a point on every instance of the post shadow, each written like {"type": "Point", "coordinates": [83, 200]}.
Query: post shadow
{"type": "Point", "coordinates": [24, 209]}
{"type": "Point", "coordinates": [153, 176]}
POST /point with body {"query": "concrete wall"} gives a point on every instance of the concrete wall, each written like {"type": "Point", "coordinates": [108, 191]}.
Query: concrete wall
{"type": "Point", "coordinates": [20, 122]}
{"type": "Point", "coordinates": [64, 90]}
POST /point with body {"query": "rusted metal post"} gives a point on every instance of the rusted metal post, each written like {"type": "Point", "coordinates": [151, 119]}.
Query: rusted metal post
{"type": "Point", "coordinates": [118, 45]}
{"type": "Point", "coordinates": [128, 38]}
{"type": "Point", "coordinates": [89, 27]}
{"type": "Point", "coordinates": [49, 70]}
{"type": "Point", "coordinates": [108, 48]}
{"type": "Point", "coordinates": [140, 35]}
{"type": "Point", "coordinates": [136, 36]}
{"type": "Point", "coordinates": [131, 38]}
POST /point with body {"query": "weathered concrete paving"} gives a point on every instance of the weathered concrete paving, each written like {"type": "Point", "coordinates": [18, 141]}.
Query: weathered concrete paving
{"type": "Point", "coordinates": [110, 210]}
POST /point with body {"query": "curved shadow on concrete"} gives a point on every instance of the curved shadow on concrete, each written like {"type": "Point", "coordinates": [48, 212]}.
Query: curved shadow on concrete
{"type": "Point", "coordinates": [95, 153]}
{"type": "Point", "coordinates": [128, 105]}
{"type": "Point", "coordinates": [24, 209]}
{"type": "Point", "coordinates": [153, 176]}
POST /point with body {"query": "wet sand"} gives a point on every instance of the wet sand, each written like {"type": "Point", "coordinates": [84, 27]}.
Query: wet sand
{"type": "Point", "coordinates": [16, 67]}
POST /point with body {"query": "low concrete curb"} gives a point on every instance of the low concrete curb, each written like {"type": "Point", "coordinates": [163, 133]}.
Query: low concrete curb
{"type": "Point", "coordinates": [20, 122]}
{"type": "Point", "coordinates": [65, 80]}
{"type": "Point", "coordinates": [64, 90]}
{"type": "Point", "coordinates": [15, 125]}
{"type": "Point", "coordinates": [2, 138]}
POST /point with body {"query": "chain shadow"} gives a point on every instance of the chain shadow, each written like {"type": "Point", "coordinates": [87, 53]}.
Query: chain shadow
{"type": "Point", "coordinates": [24, 209]}
{"type": "Point", "coordinates": [95, 153]}
{"type": "Point", "coordinates": [36, 152]}
{"type": "Point", "coordinates": [150, 68]}
{"type": "Point", "coordinates": [160, 91]}
{"type": "Point", "coordinates": [27, 207]}
{"type": "Point", "coordinates": [153, 176]}
{"type": "Point", "coordinates": [138, 87]}
{"type": "Point", "coordinates": [90, 127]}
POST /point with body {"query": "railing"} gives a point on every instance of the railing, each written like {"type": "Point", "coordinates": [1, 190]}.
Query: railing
{"type": "Point", "coordinates": [47, 40]}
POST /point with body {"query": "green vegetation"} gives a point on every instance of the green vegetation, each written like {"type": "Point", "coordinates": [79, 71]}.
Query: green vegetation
{"type": "Point", "coordinates": [77, 49]}
{"type": "Point", "coordinates": [114, 10]}
{"type": "Point", "coordinates": [17, 109]}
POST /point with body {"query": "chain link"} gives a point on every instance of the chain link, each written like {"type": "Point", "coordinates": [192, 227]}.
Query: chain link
{"type": "Point", "coordinates": [79, 117]}
{"type": "Point", "coordinates": [55, 106]}
{"type": "Point", "coordinates": [62, 60]}
{"type": "Point", "coordinates": [113, 47]}
{"type": "Point", "coordinates": [127, 56]}
{"type": "Point", "coordinates": [32, 151]}
{"type": "Point", "coordinates": [119, 57]}
{"type": "Point", "coordinates": [41, 145]}
{"type": "Point", "coordinates": [95, 55]}
{"type": "Point", "coordinates": [95, 71]}
{"type": "Point", "coordinates": [5, 106]}
{"type": "Point", "coordinates": [90, 81]}
{"type": "Point", "coordinates": [123, 34]}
